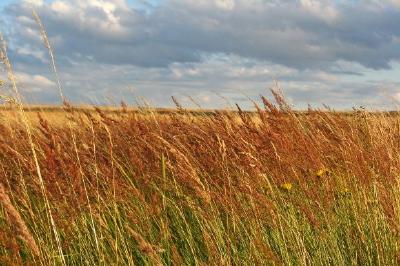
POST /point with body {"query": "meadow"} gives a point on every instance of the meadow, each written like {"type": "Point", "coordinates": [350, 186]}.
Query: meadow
{"type": "Point", "coordinates": [142, 187]}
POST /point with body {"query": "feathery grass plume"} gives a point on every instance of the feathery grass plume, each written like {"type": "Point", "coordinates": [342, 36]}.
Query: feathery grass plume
{"type": "Point", "coordinates": [151, 251]}
{"type": "Point", "coordinates": [47, 44]}
{"type": "Point", "coordinates": [10, 73]}
{"type": "Point", "coordinates": [268, 105]}
{"type": "Point", "coordinates": [124, 106]}
{"type": "Point", "coordinates": [280, 99]}
{"type": "Point", "coordinates": [18, 222]}
{"type": "Point", "coordinates": [177, 103]}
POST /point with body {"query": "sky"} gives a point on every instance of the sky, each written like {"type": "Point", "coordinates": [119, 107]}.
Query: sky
{"type": "Point", "coordinates": [208, 53]}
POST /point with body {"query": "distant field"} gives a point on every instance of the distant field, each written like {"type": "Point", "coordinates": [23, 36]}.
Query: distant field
{"type": "Point", "coordinates": [58, 113]}
{"type": "Point", "coordinates": [171, 187]}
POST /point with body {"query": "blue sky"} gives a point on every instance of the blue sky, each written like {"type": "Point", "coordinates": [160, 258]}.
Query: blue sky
{"type": "Point", "coordinates": [5, 2]}
{"type": "Point", "coordinates": [217, 52]}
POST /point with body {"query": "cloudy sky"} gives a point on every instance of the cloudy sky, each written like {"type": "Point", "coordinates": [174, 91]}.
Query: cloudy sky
{"type": "Point", "coordinates": [217, 52]}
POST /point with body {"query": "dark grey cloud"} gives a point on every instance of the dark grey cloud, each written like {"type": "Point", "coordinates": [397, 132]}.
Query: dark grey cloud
{"type": "Point", "coordinates": [297, 34]}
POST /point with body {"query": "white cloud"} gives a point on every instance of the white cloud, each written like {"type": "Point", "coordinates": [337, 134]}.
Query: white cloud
{"type": "Point", "coordinates": [206, 4]}
{"type": "Point", "coordinates": [34, 82]}
{"type": "Point", "coordinates": [93, 15]}
{"type": "Point", "coordinates": [34, 2]}
{"type": "Point", "coordinates": [27, 50]}
{"type": "Point", "coordinates": [61, 7]}
{"type": "Point", "coordinates": [322, 9]}
{"type": "Point", "coordinates": [226, 4]}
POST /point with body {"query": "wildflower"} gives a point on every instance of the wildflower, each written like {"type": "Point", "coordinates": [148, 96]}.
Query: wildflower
{"type": "Point", "coordinates": [322, 172]}
{"type": "Point", "coordinates": [286, 186]}
{"type": "Point", "coordinates": [1, 83]}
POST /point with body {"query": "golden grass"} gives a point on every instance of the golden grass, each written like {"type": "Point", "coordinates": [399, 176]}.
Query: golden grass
{"type": "Point", "coordinates": [270, 187]}
{"type": "Point", "coordinates": [16, 220]}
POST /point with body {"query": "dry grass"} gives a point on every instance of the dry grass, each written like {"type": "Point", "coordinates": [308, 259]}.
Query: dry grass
{"type": "Point", "coordinates": [15, 219]}
{"type": "Point", "coordinates": [273, 187]}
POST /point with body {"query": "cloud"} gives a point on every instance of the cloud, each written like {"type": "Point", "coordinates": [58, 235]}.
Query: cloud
{"type": "Point", "coordinates": [33, 82]}
{"type": "Point", "coordinates": [318, 49]}
{"type": "Point", "coordinates": [34, 2]}
{"type": "Point", "coordinates": [181, 31]}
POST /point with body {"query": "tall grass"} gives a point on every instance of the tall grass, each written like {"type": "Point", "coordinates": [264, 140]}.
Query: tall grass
{"type": "Point", "coordinates": [273, 187]}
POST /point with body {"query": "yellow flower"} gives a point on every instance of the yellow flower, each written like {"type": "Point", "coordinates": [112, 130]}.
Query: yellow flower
{"type": "Point", "coordinates": [1, 82]}
{"type": "Point", "coordinates": [322, 172]}
{"type": "Point", "coordinates": [286, 186]}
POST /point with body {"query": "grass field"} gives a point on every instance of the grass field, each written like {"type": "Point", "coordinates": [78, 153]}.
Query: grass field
{"type": "Point", "coordinates": [272, 187]}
